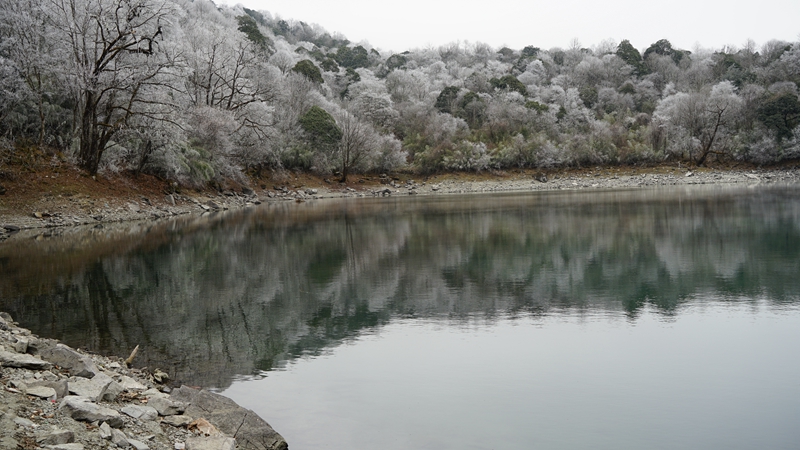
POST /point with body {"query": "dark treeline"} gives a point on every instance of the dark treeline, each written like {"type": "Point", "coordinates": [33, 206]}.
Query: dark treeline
{"type": "Point", "coordinates": [194, 92]}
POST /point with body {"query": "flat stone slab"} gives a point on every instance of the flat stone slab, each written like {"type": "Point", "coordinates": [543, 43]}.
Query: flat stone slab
{"type": "Point", "coordinates": [61, 387]}
{"type": "Point", "coordinates": [56, 437]}
{"type": "Point", "coordinates": [82, 409]}
{"type": "Point", "coordinates": [140, 412]}
{"type": "Point", "coordinates": [41, 392]}
{"type": "Point", "coordinates": [22, 361]}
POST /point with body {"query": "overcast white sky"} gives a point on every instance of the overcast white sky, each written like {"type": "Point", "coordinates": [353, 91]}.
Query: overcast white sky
{"type": "Point", "coordinates": [402, 25]}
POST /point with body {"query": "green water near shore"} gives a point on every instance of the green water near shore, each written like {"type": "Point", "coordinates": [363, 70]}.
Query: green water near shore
{"type": "Point", "coordinates": [617, 319]}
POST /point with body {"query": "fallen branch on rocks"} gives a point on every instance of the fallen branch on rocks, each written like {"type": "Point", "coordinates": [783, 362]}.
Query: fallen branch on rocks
{"type": "Point", "coordinates": [129, 361]}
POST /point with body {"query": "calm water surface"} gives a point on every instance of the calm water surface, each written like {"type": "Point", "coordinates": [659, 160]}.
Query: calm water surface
{"type": "Point", "coordinates": [648, 319]}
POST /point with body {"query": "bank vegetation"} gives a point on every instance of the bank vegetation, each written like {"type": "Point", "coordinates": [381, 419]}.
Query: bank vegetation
{"type": "Point", "coordinates": [198, 94]}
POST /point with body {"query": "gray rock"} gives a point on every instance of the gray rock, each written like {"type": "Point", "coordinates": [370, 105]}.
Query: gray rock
{"type": "Point", "coordinates": [22, 361]}
{"type": "Point", "coordinates": [139, 445]}
{"type": "Point", "coordinates": [112, 391]}
{"type": "Point", "coordinates": [129, 384]}
{"type": "Point", "coordinates": [63, 356]}
{"type": "Point", "coordinates": [56, 437]}
{"type": "Point", "coordinates": [82, 409]}
{"type": "Point", "coordinates": [105, 431]}
{"type": "Point", "coordinates": [33, 345]}
{"type": "Point", "coordinates": [60, 387]}
{"type": "Point", "coordinates": [119, 439]}
{"type": "Point", "coordinates": [140, 412]}
{"type": "Point", "coordinates": [210, 443]}
{"type": "Point", "coordinates": [166, 406]}
{"type": "Point", "coordinates": [250, 431]}
{"type": "Point", "coordinates": [41, 392]}
{"type": "Point", "coordinates": [94, 388]}
{"type": "Point", "coordinates": [21, 344]}
{"type": "Point", "coordinates": [23, 422]}
{"type": "Point", "coordinates": [18, 384]}
{"type": "Point", "coordinates": [177, 420]}
{"type": "Point", "coordinates": [72, 446]}
{"type": "Point", "coordinates": [151, 393]}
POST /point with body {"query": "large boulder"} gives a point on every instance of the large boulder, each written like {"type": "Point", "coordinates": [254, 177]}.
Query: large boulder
{"type": "Point", "coordinates": [250, 431]}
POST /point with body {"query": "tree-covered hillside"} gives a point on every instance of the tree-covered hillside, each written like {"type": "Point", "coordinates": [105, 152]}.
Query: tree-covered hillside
{"type": "Point", "coordinates": [194, 92]}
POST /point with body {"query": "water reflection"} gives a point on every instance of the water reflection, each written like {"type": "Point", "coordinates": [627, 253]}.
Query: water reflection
{"type": "Point", "coordinates": [211, 298]}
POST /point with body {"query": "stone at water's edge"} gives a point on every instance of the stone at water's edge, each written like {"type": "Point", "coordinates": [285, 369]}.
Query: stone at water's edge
{"type": "Point", "coordinates": [250, 431]}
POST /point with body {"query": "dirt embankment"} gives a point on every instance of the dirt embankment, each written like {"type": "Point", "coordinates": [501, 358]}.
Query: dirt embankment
{"type": "Point", "coordinates": [54, 196]}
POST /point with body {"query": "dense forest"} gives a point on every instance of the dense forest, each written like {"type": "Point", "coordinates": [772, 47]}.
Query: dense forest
{"type": "Point", "coordinates": [195, 92]}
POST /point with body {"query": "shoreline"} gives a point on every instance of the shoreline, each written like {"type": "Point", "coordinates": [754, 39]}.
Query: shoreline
{"type": "Point", "coordinates": [45, 209]}
{"type": "Point", "coordinates": [59, 398]}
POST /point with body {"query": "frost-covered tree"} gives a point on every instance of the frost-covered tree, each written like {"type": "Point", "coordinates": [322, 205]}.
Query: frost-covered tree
{"type": "Point", "coordinates": [34, 104]}
{"type": "Point", "coordinates": [359, 143]}
{"type": "Point", "coordinates": [117, 57]}
{"type": "Point", "coordinates": [700, 124]}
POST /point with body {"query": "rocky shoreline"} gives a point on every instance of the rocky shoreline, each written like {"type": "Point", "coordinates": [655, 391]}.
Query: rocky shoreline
{"type": "Point", "coordinates": [55, 397]}
{"type": "Point", "coordinates": [86, 210]}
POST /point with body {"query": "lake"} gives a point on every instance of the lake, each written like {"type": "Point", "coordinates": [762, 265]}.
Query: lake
{"type": "Point", "coordinates": [647, 319]}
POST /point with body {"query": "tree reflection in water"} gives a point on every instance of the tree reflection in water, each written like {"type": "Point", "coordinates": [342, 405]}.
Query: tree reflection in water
{"type": "Point", "coordinates": [220, 296]}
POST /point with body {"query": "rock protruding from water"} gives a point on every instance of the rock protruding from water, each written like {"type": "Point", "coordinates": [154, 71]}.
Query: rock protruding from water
{"type": "Point", "coordinates": [249, 430]}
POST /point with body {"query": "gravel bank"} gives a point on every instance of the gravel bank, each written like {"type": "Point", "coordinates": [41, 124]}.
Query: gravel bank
{"type": "Point", "coordinates": [85, 209]}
